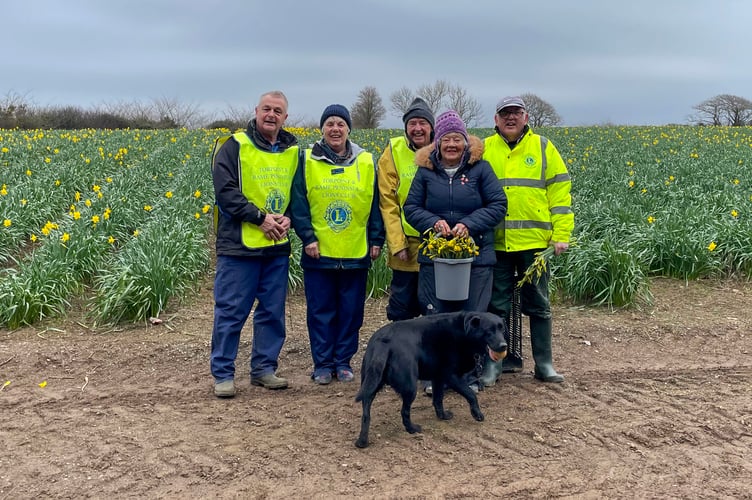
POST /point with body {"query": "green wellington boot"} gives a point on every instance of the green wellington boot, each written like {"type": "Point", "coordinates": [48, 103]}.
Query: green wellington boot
{"type": "Point", "coordinates": [491, 372]}
{"type": "Point", "coordinates": [540, 338]}
{"type": "Point", "coordinates": [511, 364]}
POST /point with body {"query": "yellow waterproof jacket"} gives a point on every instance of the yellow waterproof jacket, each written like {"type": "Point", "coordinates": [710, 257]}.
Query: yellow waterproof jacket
{"type": "Point", "coordinates": [395, 173]}
{"type": "Point", "coordinates": [537, 184]}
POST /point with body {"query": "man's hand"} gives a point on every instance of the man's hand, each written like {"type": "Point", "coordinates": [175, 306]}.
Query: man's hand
{"type": "Point", "coordinates": [559, 247]}
{"type": "Point", "coordinates": [375, 252]}
{"type": "Point", "coordinates": [275, 226]}
{"type": "Point", "coordinates": [403, 255]}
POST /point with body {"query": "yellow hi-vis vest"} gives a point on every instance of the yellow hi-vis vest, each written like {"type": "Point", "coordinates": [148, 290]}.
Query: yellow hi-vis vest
{"type": "Point", "coordinates": [340, 198]}
{"type": "Point", "coordinates": [404, 162]}
{"type": "Point", "coordinates": [265, 180]}
{"type": "Point", "coordinates": [537, 185]}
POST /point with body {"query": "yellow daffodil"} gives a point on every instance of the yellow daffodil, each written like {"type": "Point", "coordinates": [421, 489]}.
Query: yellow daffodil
{"type": "Point", "coordinates": [458, 247]}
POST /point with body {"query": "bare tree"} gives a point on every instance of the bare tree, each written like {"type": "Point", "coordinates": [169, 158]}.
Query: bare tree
{"type": "Point", "coordinates": [435, 94]}
{"type": "Point", "coordinates": [466, 106]}
{"type": "Point", "coordinates": [181, 114]}
{"type": "Point", "coordinates": [439, 95]}
{"type": "Point", "coordinates": [368, 111]}
{"type": "Point", "coordinates": [540, 112]}
{"type": "Point", "coordinates": [16, 110]}
{"type": "Point", "coordinates": [724, 109]}
{"type": "Point", "coordinates": [401, 100]}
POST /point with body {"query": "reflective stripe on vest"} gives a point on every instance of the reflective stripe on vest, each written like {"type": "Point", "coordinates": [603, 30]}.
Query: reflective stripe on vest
{"type": "Point", "coordinates": [404, 162]}
{"type": "Point", "coordinates": [265, 180]}
{"type": "Point", "coordinates": [522, 174]}
{"type": "Point", "coordinates": [340, 197]}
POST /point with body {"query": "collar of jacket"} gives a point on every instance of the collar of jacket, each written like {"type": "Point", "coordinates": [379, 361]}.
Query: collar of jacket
{"type": "Point", "coordinates": [425, 158]}
{"type": "Point", "coordinates": [513, 143]}
{"type": "Point", "coordinates": [284, 138]}
{"type": "Point", "coordinates": [321, 151]}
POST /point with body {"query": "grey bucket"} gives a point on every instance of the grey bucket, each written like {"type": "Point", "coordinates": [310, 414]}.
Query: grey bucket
{"type": "Point", "coordinates": [452, 278]}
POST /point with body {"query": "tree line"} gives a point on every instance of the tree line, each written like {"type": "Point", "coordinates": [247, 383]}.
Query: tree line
{"type": "Point", "coordinates": [367, 112]}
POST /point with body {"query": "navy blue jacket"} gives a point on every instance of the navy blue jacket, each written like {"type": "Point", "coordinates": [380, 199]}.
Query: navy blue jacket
{"type": "Point", "coordinates": [473, 197]}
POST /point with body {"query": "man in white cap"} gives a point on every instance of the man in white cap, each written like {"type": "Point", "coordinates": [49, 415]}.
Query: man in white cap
{"type": "Point", "coordinates": [537, 184]}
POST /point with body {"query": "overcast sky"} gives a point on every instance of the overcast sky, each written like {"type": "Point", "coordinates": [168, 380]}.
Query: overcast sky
{"type": "Point", "coordinates": [596, 61]}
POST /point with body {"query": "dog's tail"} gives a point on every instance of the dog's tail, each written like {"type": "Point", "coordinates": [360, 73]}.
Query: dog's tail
{"type": "Point", "coordinates": [372, 369]}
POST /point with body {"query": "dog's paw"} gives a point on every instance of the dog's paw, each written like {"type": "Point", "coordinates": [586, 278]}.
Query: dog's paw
{"type": "Point", "coordinates": [445, 415]}
{"type": "Point", "coordinates": [477, 415]}
{"type": "Point", "coordinates": [361, 443]}
{"type": "Point", "coordinates": [414, 428]}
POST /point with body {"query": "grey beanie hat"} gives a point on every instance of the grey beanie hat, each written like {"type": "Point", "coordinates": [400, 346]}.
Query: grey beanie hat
{"type": "Point", "coordinates": [418, 109]}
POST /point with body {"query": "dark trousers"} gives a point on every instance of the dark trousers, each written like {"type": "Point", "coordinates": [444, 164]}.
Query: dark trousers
{"type": "Point", "coordinates": [335, 304]}
{"type": "Point", "coordinates": [239, 281]}
{"type": "Point", "coordinates": [403, 296]}
{"type": "Point", "coordinates": [534, 301]}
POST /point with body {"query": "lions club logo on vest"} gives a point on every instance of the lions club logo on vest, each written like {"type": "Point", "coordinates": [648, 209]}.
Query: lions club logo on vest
{"type": "Point", "coordinates": [275, 200]}
{"type": "Point", "coordinates": [530, 160]}
{"type": "Point", "coordinates": [338, 216]}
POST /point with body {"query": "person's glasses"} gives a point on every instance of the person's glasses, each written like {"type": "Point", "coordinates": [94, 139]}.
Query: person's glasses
{"type": "Point", "coordinates": [511, 112]}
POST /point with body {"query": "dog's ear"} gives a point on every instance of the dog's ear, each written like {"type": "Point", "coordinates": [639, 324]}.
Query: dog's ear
{"type": "Point", "coordinates": [472, 322]}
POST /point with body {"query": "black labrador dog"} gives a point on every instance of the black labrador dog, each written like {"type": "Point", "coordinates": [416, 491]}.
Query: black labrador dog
{"type": "Point", "coordinates": [440, 348]}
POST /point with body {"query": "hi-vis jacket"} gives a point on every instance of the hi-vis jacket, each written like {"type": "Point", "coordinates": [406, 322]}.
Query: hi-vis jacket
{"type": "Point", "coordinates": [537, 184]}
{"type": "Point", "coordinates": [336, 205]}
{"type": "Point", "coordinates": [251, 178]}
{"type": "Point", "coordinates": [396, 171]}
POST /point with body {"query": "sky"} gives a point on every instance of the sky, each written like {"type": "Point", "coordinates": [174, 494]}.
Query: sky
{"type": "Point", "coordinates": [642, 62]}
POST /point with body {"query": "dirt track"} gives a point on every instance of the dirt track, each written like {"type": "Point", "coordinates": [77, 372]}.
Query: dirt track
{"type": "Point", "coordinates": [656, 404]}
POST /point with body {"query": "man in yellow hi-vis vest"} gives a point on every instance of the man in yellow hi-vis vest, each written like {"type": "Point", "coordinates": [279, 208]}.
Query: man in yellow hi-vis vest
{"type": "Point", "coordinates": [395, 174]}
{"type": "Point", "coordinates": [537, 184]}
{"type": "Point", "coordinates": [252, 173]}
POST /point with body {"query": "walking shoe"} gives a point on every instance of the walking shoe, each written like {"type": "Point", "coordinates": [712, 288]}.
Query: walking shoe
{"type": "Point", "coordinates": [345, 375]}
{"type": "Point", "coordinates": [428, 389]}
{"type": "Point", "coordinates": [323, 378]}
{"type": "Point", "coordinates": [224, 389]}
{"type": "Point", "coordinates": [270, 381]}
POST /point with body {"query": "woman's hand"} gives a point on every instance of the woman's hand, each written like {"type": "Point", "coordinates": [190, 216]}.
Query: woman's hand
{"type": "Point", "coordinates": [312, 250]}
{"type": "Point", "coordinates": [460, 230]}
{"type": "Point", "coordinates": [441, 227]}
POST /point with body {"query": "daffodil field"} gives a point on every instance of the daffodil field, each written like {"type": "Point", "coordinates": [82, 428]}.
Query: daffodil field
{"type": "Point", "coordinates": [120, 221]}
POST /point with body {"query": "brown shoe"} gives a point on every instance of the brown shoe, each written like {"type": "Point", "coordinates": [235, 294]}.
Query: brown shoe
{"type": "Point", "coordinates": [270, 381]}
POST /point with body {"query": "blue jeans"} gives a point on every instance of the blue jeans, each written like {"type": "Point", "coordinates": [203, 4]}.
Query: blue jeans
{"type": "Point", "coordinates": [239, 281]}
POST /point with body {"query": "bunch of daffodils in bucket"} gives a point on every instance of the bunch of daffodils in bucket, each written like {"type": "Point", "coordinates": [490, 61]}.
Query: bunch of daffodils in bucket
{"type": "Point", "coordinates": [453, 247]}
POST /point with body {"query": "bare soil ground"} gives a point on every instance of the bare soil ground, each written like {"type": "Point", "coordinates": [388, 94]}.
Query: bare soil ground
{"type": "Point", "coordinates": [657, 403]}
